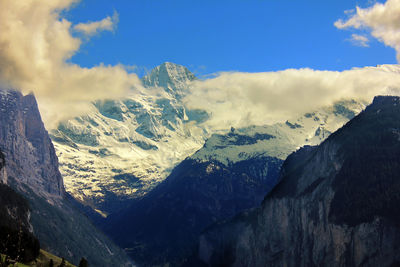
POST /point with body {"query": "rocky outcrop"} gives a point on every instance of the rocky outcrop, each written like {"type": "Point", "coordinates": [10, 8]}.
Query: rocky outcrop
{"type": "Point", "coordinates": [30, 154]}
{"type": "Point", "coordinates": [335, 205]}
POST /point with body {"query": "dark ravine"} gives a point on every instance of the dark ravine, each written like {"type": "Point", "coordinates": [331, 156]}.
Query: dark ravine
{"type": "Point", "coordinates": [164, 226]}
{"type": "Point", "coordinates": [31, 169]}
{"type": "Point", "coordinates": [336, 204]}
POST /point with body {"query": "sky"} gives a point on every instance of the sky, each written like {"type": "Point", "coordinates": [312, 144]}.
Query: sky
{"type": "Point", "coordinates": [210, 36]}
{"type": "Point", "coordinates": [259, 61]}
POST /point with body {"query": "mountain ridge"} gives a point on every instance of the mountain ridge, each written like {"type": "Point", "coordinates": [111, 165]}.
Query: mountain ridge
{"type": "Point", "coordinates": [321, 212]}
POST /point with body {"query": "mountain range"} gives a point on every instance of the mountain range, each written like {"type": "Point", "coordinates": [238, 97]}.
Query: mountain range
{"type": "Point", "coordinates": [124, 148]}
{"type": "Point", "coordinates": [147, 159]}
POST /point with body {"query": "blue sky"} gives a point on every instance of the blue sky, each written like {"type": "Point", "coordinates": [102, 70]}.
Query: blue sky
{"type": "Point", "coordinates": [237, 35]}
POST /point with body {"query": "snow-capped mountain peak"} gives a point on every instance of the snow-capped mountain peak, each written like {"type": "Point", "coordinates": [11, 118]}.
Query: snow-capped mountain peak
{"type": "Point", "coordinates": [122, 148]}
{"type": "Point", "coordinates": [172, 77]}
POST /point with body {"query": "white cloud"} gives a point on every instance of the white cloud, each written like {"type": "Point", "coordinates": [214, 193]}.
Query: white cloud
{"type": "Point", "coordinates": [383, 20]}
{"type": "Point", "coordinates": [243, 99]}
{"type": "Point", "coordinates": [359, 40]}
{"type": "Point", "coordinates": [35, 45]}
{"type": "Point", "coordinates": [93, 28]}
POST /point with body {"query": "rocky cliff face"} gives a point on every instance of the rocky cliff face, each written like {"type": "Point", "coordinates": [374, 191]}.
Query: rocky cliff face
{"type": "Point", "coordinates": [32, 171]}
{"type": "Point", "coordinates": [30, 155]}
{"type": "Point", "coordinates": [336, 204]}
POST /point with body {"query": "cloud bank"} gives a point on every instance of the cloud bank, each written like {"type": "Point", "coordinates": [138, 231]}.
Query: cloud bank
{"type": "Point", "coordinates": [383, 20]}
{"type": "Point", "coordinates": [243, 99]}
{"type": "Point", "coordinates": [36, 43]}
{"type": "Point", "coordinates": [35, 46]}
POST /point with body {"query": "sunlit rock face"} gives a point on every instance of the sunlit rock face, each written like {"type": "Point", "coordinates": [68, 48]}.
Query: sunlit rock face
{"type": "Point", "coordinates": [28, 150]}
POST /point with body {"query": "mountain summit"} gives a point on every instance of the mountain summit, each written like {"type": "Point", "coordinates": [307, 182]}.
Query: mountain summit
{"type": "Point", "coordinates": [173, 77]}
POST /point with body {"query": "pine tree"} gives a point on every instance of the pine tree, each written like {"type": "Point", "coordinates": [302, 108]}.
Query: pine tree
{"type": "Point", "coordinates": [62, 264]}
{"type": "Point", "coordinates": [83, 263]}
